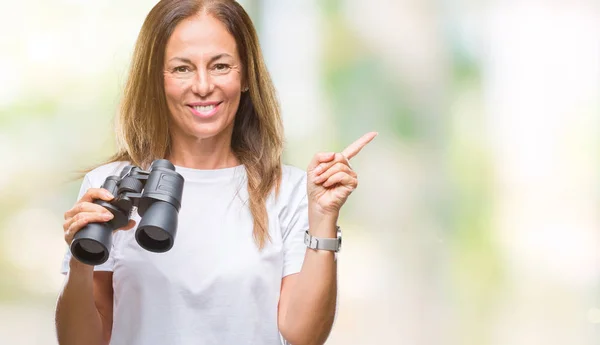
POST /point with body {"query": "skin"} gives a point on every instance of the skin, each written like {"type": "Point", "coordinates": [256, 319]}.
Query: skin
{"type": "Point", "coordinates": [202, 65]}
{"type": "Point", "coordinates": [308, 299]}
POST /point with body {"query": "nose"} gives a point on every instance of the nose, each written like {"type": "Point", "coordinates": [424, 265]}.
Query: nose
{"type": "Point", "coordinates": [203, 84]}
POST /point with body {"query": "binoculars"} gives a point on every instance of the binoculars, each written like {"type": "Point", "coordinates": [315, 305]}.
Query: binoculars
{"type": "Point", "coordinates": [156, 194]}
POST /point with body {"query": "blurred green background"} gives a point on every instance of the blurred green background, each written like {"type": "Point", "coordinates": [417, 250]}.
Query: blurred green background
{"type": "Point", "coordinates": [477, 217]}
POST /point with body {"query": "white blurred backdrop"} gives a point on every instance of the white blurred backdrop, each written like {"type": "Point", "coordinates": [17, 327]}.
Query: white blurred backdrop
{"type": "Point", "coordinates": [477, 216]}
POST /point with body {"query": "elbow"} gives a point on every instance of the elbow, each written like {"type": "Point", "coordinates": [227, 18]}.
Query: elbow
{"type": "Point", "coordinates": [291, 335]}
{"type": "Point", "coordinates": [299, 335]}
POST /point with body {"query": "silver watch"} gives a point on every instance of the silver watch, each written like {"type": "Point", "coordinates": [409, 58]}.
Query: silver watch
{"type": "Point", "coordinates": [332, 244]}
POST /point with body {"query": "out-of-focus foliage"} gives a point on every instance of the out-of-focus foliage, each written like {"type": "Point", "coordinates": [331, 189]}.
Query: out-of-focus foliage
{"type": "Point", "coordinates": [476, 220]}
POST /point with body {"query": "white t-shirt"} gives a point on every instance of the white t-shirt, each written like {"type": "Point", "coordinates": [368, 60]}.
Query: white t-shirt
{"type": "Point", "coordinates": [213, 286]}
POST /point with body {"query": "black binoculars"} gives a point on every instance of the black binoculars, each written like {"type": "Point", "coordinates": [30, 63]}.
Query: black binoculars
{"type": "Point", "coordinates": [156, 194]}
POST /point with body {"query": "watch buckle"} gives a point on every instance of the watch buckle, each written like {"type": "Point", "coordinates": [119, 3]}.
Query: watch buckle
{"type": "Point", "coordinates": [314, 242]}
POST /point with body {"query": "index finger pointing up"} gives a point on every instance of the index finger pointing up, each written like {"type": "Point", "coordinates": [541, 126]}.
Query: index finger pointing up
{"type": "Point", "coordinates": [354, 148]}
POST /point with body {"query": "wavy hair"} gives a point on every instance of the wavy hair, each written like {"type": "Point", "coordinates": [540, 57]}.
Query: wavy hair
{"type": "Point", "coordinates": [142, 130]}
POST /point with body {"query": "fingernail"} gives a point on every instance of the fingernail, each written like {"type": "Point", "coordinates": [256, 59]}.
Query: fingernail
{"type": "Point", "coordinates": [108, 195]}
{"type": "Point", "coordinates": [107, 215]}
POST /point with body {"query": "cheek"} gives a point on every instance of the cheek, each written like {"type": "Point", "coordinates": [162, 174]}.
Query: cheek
{"type": "Point", "coordinates": [174, 88]}
{"type": "Point", "coordinates": [233, 89]}
{"type": "Point", "coordinates": [230, 84]}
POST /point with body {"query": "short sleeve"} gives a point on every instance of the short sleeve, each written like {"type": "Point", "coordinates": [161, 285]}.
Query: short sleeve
{"type": "Point", "coordinates": [294, 248]}
{"type": "Point", "coordinates": [108, 265]}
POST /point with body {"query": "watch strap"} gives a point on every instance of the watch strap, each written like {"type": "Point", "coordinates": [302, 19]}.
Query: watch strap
{"type": "Point", "coordinates": [331, 244]}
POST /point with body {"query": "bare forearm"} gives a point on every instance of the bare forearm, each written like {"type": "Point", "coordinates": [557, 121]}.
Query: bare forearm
{"type": "Point", "coordinates": [77, 318]}
{"type": "Point", "coordinates": [312, 305]}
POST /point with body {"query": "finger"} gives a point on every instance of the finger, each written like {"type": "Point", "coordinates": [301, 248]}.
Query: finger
{"type": "Point", "coordinates": [81, 220]}
{"type": "Point", "coordinates": [84, 207]}
{"type": "Point", "coordinates": [343, 179]}
{"type": "Point", "coordinates": [96, 193]}
{"type": "Point", "coordinates": [73, 228]}
{"type": "Point", "coordinates": [320, 157]}
{"type": "Point", "coordinates": [129, 226]}
{"type": "Point", "coordinates": [354, 148]}
{"type": "Point", "coordinates": [339, 158]}
{"type": "Point", "coordinates": [336, 168]}
{"type": "Point", "coordinates": [84, 218]}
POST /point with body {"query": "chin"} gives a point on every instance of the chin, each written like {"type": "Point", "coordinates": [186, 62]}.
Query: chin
{"type": "Point", "coordinates": [206, 131]}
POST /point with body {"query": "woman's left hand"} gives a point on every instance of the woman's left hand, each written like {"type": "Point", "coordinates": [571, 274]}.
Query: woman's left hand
{"type": "Point", "coordinates": [331, 180]}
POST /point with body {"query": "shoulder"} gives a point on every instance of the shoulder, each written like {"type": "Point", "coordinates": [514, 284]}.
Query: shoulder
{"type": "Point", "coordinates": [292, 174]}
{"type": "Point", "coordinates": [97, 176]}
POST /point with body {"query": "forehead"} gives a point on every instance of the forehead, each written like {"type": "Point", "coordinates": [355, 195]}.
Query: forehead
{"type": "Point", "coordinates": [200, 35]}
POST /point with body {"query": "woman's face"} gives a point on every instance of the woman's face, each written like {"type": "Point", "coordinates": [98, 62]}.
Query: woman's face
{"type": "Point", "coordinates": [202, 76]}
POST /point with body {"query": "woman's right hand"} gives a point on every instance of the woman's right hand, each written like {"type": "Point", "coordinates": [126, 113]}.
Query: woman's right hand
{"type": "Point", "coordinates": [85, 211]}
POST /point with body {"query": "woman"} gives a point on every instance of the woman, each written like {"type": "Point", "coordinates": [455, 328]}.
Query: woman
{"type": "Point", "coordinates": [200, 95]}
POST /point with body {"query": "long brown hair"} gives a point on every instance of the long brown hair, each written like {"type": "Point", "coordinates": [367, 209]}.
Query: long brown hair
{"type": "Point", "coordinates": [142, 130]}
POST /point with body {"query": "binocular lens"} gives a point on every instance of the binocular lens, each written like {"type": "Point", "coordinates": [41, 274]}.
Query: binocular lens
{"type": "Point", "coordinates": [156, 234]}
{"type": "Point", "coordinates": [157, 229]}
{"type": "Point", "coordinates": [90, 244]}
{"type": "Point", "coordinates": [91, 247]}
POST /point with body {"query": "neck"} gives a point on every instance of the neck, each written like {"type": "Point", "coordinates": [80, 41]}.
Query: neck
{"type": "Point", "coordinates": [205, 154]}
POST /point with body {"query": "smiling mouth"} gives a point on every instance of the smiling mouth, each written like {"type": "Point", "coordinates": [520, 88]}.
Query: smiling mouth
{"type": "Point", "coordinates": [204, 110]}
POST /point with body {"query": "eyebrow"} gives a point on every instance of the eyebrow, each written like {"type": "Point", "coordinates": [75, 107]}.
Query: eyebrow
{"type": "Point", "coordinates": [212, 59]}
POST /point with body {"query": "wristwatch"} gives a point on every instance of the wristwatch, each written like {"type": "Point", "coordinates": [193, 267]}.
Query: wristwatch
{"type": "Point", "coordinates": [332, 244]}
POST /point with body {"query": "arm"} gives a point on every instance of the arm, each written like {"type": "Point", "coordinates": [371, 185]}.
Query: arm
{"type": "Point", "coordinates": [308, 299]}
{"type": "Point", "coordinates": [84, 311]}
{"type": "Point", "coordinates": [84, 308]}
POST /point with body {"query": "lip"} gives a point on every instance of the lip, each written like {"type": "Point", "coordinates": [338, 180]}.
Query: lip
{"type": "Point", "coordinates": [204, 104]}
{"type": "Point", "coordinates": [204, 115]}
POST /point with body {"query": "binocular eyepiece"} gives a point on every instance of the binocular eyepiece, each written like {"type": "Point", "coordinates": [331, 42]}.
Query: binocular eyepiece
{"type": "Point", "coordinates": [156, 194]}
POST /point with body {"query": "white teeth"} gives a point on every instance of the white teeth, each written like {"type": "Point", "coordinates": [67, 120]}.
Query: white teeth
{"type": "Point", "coordinates": [204, 108]}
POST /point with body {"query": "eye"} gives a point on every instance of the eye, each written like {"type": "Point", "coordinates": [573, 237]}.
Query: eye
{"type": "Point", "coordinates": [221, 68]}
{"type": "Point", "coordinates": [181, 69]}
